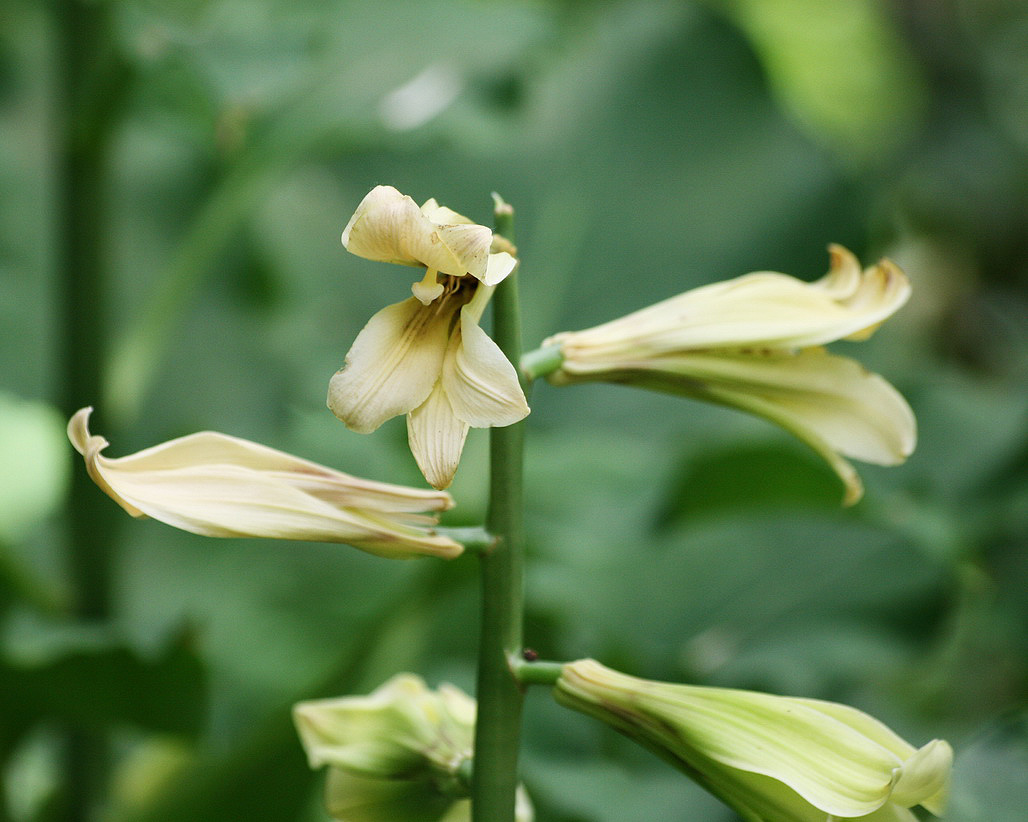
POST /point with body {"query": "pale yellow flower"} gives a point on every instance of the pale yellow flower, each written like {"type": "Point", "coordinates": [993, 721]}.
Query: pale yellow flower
{"type": "Point", "coordinates": [754, 343]}
{"type": "Point", "coordinates": [771, 758]}
{"type": "Point", "coordinates": [427, 357]}
{"type": "Point", "coordinates": [404, 752]}
{"type": "Point", "coordinates": [221, 486]}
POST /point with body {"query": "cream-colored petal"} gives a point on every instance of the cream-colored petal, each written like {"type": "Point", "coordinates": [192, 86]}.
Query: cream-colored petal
{"type": "Point", "coordinates": [857, 412]}
{"type": "Point", "coordinates": [220, 486]}
{"type": "Point", "coordinates": [387, 226]}
{"type": "Point", "coordinates": [441, 215]}
{"type": "Point", "coordinates": [209, 448]}
{"type": "Point", "coordinates": [392, 365]}
{"type": "Point", "coordinates": [480, 381]}
{"type": "Point", "coordinates": [457, 249]}
{"type": "Point", "coordinates": [499, 266]}
{"type": "Point", "coordinates": [436, 437]}
{"type": "Point", "coordinates": [763, 309]}
{"type": "Point", "coordinates": [831, 403]}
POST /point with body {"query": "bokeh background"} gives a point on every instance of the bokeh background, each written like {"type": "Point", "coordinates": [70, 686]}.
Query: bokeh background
{"type": "Point", "coordinates": [174, 177]}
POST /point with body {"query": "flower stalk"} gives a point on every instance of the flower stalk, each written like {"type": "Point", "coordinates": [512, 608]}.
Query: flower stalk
{"type": "Point", "coordinates": [500, 697]}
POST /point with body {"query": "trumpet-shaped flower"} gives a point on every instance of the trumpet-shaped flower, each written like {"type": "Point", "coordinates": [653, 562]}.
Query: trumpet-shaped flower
{"type": "Point", "coordinates": [754, 343]}
{"type": "Point", "coordinates": [427, 357]}
{"type": "Point", "coordinates": [221, 486]}
{"type": "Point", "coordinates": [771, 758]}
{"type": "Point", "coordinates": [404, 752]}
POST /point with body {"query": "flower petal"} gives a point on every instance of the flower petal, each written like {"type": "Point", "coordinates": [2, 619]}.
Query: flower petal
{"type": "Point", "coordinates": [436, 437]}
{"type": "Point", "coordinates": [831, 403]}
{"type": "Point", "coordinates": [392, 365]}
{"type": "Point", "coordinates": [458, 249]}
{"type": "Point", "coordinates": [384, 227]}
{"type": "Point", "coordinates": [924, 777]}
{"type": "Point", "coordinates": [220, 486]}
{"type": "Point", "coordinates": [389, 227]}
{"type": "Point", "coordinates": [499, 266]}
{"type": "Point", "coordinates": [441, 215]}
{"type": "Point", "coordinates": [480, 381]}
{"type": "Point", "coordinates": [763, 309]}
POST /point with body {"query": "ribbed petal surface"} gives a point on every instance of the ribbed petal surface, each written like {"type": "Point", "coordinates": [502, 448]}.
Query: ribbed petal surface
{"type": "Point", "coordinates": [393, 364]}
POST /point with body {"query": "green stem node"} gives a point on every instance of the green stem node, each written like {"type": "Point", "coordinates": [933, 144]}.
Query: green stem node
{"type": "Point", "coordinates": [475, 539]}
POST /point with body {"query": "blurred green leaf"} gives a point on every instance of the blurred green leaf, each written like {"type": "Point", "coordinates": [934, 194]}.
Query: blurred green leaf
{"type": "Point", "coordinates": [36, 458]}
{"type": "Point", "coordinates": [93, 681]}
{"type": "Point", "coordinates": [762, 477]}
{"type": "Point", "coordinates": [841, 68]}
{"type": "Point", "coordinates": [990, 775]}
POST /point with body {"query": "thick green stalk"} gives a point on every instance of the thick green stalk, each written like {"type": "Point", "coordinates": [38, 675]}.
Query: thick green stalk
{"type": "Point", "coordinates": [91, 77]}
{"type": "Point", "coordinates": [498, 727]}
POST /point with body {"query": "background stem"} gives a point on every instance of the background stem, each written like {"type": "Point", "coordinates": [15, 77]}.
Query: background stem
{"type": "Point", "coordinates": [91, 78]}
{"type": "Point", "coordinates": [498, 728]}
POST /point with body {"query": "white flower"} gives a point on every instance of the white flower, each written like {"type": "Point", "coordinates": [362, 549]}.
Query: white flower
{"type": "Point", "coordinates": [221, 486]}
{"type": "Point", "coordinates": [771, 758]}
{"type": "Point", "coordinates": [401, 754]}
{"type": "Point", "coordinates": [754, 343]}
{"type": "Point", "coordinates": [427, 357]}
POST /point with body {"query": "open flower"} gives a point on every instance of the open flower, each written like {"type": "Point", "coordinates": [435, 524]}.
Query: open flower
{"type": "Point", "coordinates": [221, 486]}
{"type": "Point", "coordinates": [427, 357]}
{"type": "Point", "coordinates": [754, 343]}
{"type": "Point", "coordinates": [771, 758]}
{"type": "Point", "coordinates": [403, 752]}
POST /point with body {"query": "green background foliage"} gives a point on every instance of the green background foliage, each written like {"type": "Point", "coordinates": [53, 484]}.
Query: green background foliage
{"type": "Point", "coordinates": [648, 146]}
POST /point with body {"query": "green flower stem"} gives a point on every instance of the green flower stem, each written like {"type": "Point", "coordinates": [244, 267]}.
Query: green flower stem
{"type": "Point", "coordinates": [538, 673]}
{"type": "Point", "coordinates": [500, 697]}
{"type": "Point", "coordinates": [475, 539]}
{"type": "Point", "coordinates": [541, 362]}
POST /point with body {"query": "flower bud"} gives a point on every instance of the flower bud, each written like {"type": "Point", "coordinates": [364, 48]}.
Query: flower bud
{"type": "Point", "coordinates": [771, 758]}
{"type": "Point", "coordinates": [221, 486]}
{"type": "Point", "coordinates": [754, 343]}
{"type": "Point", "coordinates": [403, 752]}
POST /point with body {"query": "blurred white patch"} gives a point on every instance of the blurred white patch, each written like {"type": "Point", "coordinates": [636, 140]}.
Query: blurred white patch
{"type": "Point", "coordinates": [417, 101]}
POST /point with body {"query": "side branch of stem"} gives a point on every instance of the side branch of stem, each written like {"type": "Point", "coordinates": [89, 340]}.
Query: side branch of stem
{"type": "Point", "coordinates": [540, 362]}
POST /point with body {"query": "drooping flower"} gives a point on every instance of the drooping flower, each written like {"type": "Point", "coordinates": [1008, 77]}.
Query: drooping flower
{"type": "Point", "coordinates": [755, 343]}
{"type": "Point", "coordinates": [403, 752]}
{"type": "Point", "coordinates": [771, 758]}
{"type": "Point", "coordinates": [427, 357]}
{"type": "Point", "coordinates": [221, 486]}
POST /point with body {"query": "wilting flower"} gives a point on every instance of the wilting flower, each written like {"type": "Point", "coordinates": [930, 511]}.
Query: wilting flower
{"type": "Point", "coordinates": [771, 758]}
{"type": "Point", "coordinates": [754, 343]}
{"type": "Point", "coordinates": [221, 486]}
{"type": "Point", "coordinates": [403, 752]}
{"type": "Point", "coordinates": [427, 357]}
